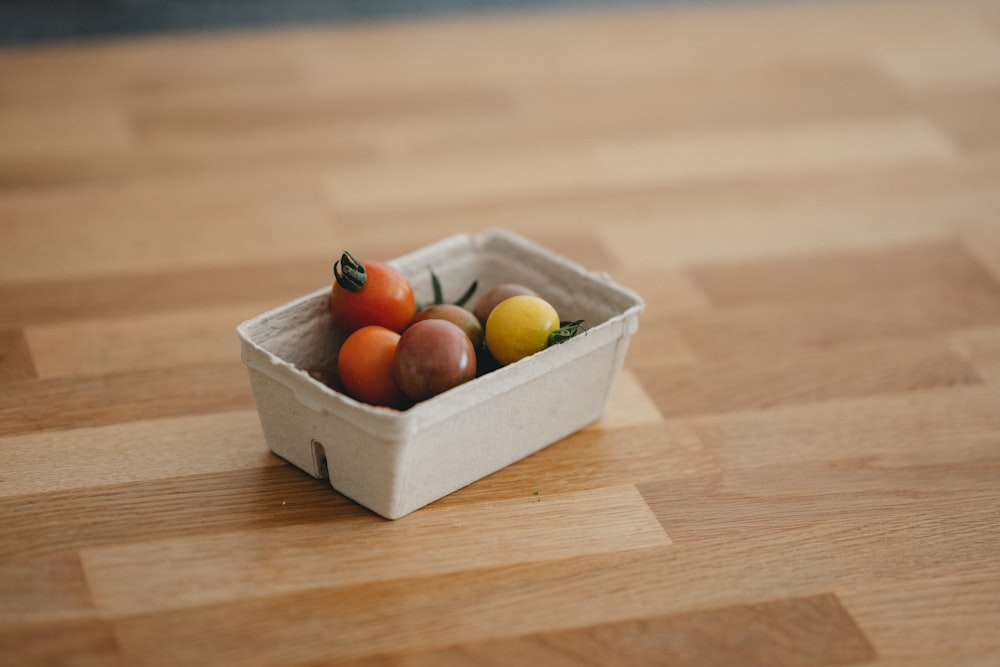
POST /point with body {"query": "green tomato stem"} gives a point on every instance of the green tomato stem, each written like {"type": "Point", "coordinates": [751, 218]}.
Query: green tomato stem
{"type": "Point", "coordinates": [350, 273]}
{"type": "Point", "coordinates": [567, 329]}
{"type": "Point", "coordinates": [468, 294]}
{"type": "Point", "coordinates": [439, 292]}
{"type": "Point", "coordinates": [436, 284]}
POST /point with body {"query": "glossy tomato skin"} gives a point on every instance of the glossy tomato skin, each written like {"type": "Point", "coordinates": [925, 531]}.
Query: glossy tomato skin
{"type": "Point", "coordinates": [365, 364]}
{"type": "Point", "coordinates": [433, 356]}
{"type": "Point", "coordinates": [386, 300]}
{"type": "Point", "coordinates": [457, 315]}
{"type": "Point", "coordinates": [520, 326]}
{"type": "Point", "coordinates": [489, 300]}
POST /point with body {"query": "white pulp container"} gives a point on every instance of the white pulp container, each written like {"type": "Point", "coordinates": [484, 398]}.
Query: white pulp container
{"type": "Point", "coordinates": [394, 462]}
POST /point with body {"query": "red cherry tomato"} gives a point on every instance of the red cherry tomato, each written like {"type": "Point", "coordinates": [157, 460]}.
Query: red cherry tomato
{"type": "Point", "coordinates": [433, 356]}
{"type": "Point", "coordinates": [365, 364]}
{"type": "Point", "coordinates": [370, 293]}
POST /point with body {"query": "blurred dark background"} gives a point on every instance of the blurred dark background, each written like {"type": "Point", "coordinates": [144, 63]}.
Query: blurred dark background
{"type": "Point", "coordinates": [30, 21]}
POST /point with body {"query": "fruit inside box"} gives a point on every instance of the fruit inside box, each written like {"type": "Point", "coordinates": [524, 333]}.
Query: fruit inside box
{"type": "Point", "coordinates": [393, 460]}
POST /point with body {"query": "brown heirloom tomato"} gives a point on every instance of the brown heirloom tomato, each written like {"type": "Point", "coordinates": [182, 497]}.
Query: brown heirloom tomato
{"type": "Point", "coordinates": [489, 300]}
{"type": "Point", "coordinates": [457, 315]}
{"type": "Point", "coordinates": [433, 356]}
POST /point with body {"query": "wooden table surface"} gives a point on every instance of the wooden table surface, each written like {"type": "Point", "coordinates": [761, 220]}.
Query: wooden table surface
{"type": "Point", "coordinates": [800, 463]}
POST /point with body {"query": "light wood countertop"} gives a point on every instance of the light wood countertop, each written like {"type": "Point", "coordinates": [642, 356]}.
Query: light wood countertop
{"type": "Point", "coordinates": [800, 463]}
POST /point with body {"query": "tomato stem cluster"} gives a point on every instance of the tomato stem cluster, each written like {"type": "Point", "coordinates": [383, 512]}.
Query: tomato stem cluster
{"type": "Point", "coordinates": [567, 329]}
{"type": "Point", "coordinates": [349, 272]}
{"type": "Point", "coordinates": [439, 292]}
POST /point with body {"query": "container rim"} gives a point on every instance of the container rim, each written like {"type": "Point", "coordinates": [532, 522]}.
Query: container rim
{"type": "Point", "coordinates": [388, 423]}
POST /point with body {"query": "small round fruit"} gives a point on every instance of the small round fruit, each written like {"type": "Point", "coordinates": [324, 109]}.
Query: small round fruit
{"type": "Point", "coordinates": [370, 292]}
{"type": "Point", "coordinates": [520, 326]}
{"type": "Point", "coordinates": [365, 366]}
{"type": "Point", "coordinates": [433, 356]}
{"type": "Point", "coordinates": [489, 300]}
{"type": "Point", "coordinates": [457, 315]}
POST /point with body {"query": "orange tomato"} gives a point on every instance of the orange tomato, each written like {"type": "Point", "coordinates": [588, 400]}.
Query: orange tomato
{"type": "Point", "coordinates": [365, 365]}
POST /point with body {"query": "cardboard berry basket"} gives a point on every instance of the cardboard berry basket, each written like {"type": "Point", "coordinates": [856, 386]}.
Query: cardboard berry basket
{"type": "Point", "coordinates": [396, 461]}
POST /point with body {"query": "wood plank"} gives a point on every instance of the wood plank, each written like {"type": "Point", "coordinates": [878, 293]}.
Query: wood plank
{"type": "Point", "coordinates": [126, 168]}
{"type": "Point", "coordinates": [294, 120]}
{"type": "Point", "coordinates": [594, 459]}
{"type": "Point", "coordinates": [660, 342]}
{"type": "Point", "coordinates": [335, 625]}
{"type": "Point", "coordinates": [854, 210]}
{"type": "Point", "coordinates": [197, 220]}
{"type": "Point", "coordinates": [16, 362]}
{"type": "Point", "coordinates": [123, 295]}
{"type": "Point", "coordinates": [937, 426]}
{"type": "Point", "coordinates": [815, 630]}
{"type": "Point", "coordinates": [138, 342]}
{"type": "Point", "coordinates": [85, 130]}
{"type": "Point", "coordinates": [930, 270]}
{"type": "Point", "coordinates": [47, 405]}
{"type": "Point", "coordinates": [168, 508]}
{"type": "Point", "coordinates": [798, 464]}
{"type": "Point", "coordinates": [909, 622]}
{"type": "Point", "coordinates": [126, 67]}
{"type": "Point", "coordinates": [290, 121]}
{"type": "Point", "coordinates": [328, 555]}
{"type": "Point", "coordinates": [744, 92]}
{"type": "Point", "coordinates": [865, 368]}
{"type": "Point", "coordinates": [133, 451]}
{"type": "Point", "coordinates": [944, 533]}
{"type": "Point", "coordinates": [257, 489]}
{"type": "Point", "coordinates": [742, 504]}
{"type": "Point", "coordinates": [89, 642]}
{"type": "Point", "coordinates": [982, 240]}
{"type": "Point", "coordinates": [651, 229]}
{"type": "Point", "coordinates": [610, 44]}
{"type": "Point", "coordinates": [473, 605]}
{"type": "Point", "coordinates": [828, 322]}
{"type": "Point", "coordinates": [964, 58]}
{"type": "Point", "coordinates": [764, 309]}
{"type": "Point", "coordinates": [885, 503]}
{"type": "Point", "coordinates": [966, 116]}
{"type": "Point", "coordinates": [628, 405]}
{"type": "Point", "coordinates": [981, 347]}
{"type": "Point", "coordinates": [47, 588]}
{"type": "Point", "coordinates": [647, 161]}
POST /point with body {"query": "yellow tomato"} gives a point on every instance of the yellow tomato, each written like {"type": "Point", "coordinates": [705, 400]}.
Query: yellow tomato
{"type": "Point", "coordinates": [520, 326]}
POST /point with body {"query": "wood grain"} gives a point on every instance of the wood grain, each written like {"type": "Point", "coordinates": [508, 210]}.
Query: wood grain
{"type": "Point", "coordinates": [798, 464]}
{"type": "Point", "coordinates": [148, 292]}
{"type": "Point", "coordinates": [133, 451]}
{"type": "Point", "coordinates": [805, 631]}
{"type": "Point", "coordinates": [62, 403]}
{"type": "Point", "coordinates": [16, 362]}
{"type": "Point", "coordinates": [608, 519]}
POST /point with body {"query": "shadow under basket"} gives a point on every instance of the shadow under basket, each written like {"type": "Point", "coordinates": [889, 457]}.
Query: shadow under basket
{"type": "Point", "coordinates": [396, 461]}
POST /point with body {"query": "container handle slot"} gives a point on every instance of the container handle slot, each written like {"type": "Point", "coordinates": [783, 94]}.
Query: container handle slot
{"type": "Point", "coordinates": [319, 459]}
